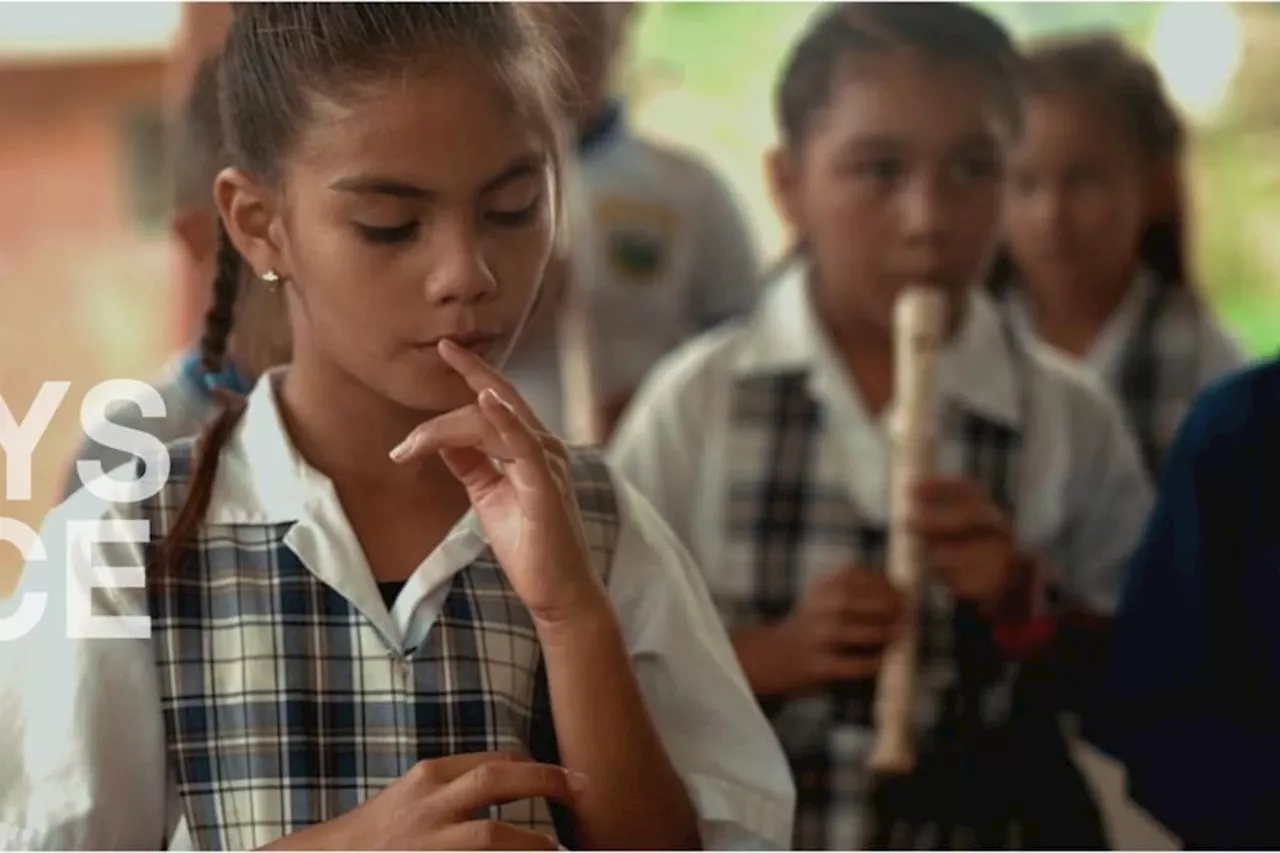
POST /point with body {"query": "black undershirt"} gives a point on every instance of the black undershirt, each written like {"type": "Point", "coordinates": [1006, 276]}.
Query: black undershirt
{"type": "Point", "coordinates": [389, 590]}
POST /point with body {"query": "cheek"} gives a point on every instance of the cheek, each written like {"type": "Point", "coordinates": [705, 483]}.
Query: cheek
{"type": "Point", "coordinates": [518, 259]}
{"type": "Point", "coordinates": [846, 220]}
{"type": "Point", "coordinates": [1108, 219]}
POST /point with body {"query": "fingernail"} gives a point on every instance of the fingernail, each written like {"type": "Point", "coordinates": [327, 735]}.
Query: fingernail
{"type": "Point", "coordinates": [494, 397]}
{"type": "Point", "coordinates": [577, 781]}
{"type": "Point", "coordinates": [404, 448]}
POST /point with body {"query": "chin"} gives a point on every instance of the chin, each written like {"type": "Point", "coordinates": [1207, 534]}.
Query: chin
{"type": "Point", "coordinates": [436, 391]}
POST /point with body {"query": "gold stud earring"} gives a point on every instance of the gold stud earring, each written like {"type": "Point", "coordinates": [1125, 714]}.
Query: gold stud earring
{"type": "Point", "coordinates": [272, 278]}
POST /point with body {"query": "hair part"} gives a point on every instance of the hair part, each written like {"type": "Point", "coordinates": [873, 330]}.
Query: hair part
{"type": "Point", "coordinates": [278, 62]}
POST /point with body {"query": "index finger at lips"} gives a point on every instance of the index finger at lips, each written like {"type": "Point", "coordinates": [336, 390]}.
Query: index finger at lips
{"type": "Point", "coordinates": [479, 375]}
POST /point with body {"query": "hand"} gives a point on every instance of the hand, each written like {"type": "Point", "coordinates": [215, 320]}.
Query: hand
{"type": "Point", "coordinates": [433, 807]}
{"type": "Point", "coordinates": [518, 479]}
{"type": "Point", "coordinates": [837, 632]}
{"type": "Point", "coordinates": [968, 540]}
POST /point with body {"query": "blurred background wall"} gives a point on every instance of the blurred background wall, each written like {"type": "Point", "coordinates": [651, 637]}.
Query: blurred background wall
{"type": "Point", "coordinates": [83, 88]}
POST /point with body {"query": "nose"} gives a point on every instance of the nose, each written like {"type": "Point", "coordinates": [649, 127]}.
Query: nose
{"type": "Point", "coordinates": [1040, 206]}
{"type": "Point", "coordinates": [926, 210]}
{"type": "Point", "coordinates": [1048, 208]}
{"type": "Point", "coordinates": [459, 271]}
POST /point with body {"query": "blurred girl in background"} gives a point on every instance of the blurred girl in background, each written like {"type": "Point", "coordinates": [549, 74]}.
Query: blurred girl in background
{"type": "Point", "coordinates": [765, 444]}
{"type": "Point", "coordinates": [1095, 224]}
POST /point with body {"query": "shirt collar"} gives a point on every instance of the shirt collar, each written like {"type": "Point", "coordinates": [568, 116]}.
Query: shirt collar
{"type": "Point", "coordinates": [262, 479]}
{"type": "Point", "coordinates": [976, 370]}
{"type": "Point", "coordinates": [1105, 356]}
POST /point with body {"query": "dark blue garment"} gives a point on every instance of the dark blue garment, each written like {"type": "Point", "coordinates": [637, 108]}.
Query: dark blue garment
{"type": "Point", "coordinates": [610, 123]}
{"type": "Point", "coordinates": [1190, 703]}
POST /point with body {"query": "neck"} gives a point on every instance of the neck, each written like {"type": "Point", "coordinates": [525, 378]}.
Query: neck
{"type": "Point", "coordinates": [866, 348]}
{"type": "Point", "coordinates": [346, 430]}
{"type": "Point", "coordinates": [1071, 319]}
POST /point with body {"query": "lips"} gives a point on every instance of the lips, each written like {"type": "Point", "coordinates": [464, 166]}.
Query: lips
{"type": "Point", "coordinates": [477, 342]}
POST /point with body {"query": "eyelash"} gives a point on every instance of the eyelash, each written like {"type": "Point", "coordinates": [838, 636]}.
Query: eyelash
{"type": "Point", "coordinates": [888, 170]}
{"type": "Point", "coordinates": [407, 232]}
{"type": "Point", "coordinates": [515, 218]}
{"type": "Point", "coordinates": [388, 236]}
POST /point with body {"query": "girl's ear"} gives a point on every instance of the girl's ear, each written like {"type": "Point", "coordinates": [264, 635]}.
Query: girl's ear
{"type": "Point", "coordinates": [248, 213]}
{"type": "Point", "coordinates": [784, 186]}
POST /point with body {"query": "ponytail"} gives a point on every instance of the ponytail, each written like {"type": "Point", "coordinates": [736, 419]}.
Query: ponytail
{"type": "Point", "coordinates": [218, 323]}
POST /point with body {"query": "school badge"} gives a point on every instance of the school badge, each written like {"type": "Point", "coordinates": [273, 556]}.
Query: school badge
{"type": "Point", "coordinates": [638, 237]}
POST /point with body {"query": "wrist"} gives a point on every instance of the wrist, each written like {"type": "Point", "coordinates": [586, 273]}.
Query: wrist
{"type": "Point", "coordinates": [1016, 600]}
{"type": "Point", "coordinates": [589, 613]}
{"type": "Point", "coordinates": [1017, 628]}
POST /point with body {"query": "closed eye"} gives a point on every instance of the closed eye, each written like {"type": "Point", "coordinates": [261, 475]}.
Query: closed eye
{"type": "Point", "coordinates": [394, 234]}
{"type": "Point", "coordinates": [515, 218]}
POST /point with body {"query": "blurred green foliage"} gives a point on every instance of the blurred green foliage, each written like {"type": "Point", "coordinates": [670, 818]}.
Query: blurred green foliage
{"type": "Point", "coordinates": [701, 75]}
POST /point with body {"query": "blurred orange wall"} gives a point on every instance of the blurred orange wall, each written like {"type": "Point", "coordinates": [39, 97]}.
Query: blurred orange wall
{"type": "Point", "coordinates": [82, 282]}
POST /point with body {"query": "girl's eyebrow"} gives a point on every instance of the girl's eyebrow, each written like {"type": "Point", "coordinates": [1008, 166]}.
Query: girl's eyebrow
{"type": "Point", "coordinates": [373, 184]}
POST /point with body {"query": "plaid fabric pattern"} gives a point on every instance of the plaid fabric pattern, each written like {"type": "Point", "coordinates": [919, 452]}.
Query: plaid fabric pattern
{"type": "Point", "coordinates": [1159, 370]}
{"type": "Point", "coordinates": [283, 705]}
{"type": "Point", "coordinates": [790, 520]}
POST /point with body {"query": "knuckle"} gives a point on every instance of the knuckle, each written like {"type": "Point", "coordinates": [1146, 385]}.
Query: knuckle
{"type": "Point", "coordinates": [424, 773]}
{"type": "Point", "coordinates": [486, 776]}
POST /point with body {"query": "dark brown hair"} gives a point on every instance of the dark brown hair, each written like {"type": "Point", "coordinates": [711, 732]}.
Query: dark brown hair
{"type": "Point", "coordinates": [953, 32]}
{"type": "Point", "coordinates": [1128, 90]}
{"type": "Point", "coordinates": [277, 60]}
{"type": "Point", "coordinates": [956, 32]}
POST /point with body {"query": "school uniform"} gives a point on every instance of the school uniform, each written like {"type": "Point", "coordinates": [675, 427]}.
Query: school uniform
{"type": "Point", "coordinates": [661, 253]}
{"type": "Point", "coordinates": [187, 391]}
{"type": "Point", "coordinates": [277, 689]}
{"type": "Point", "coordinates": [1191, 705]}
{"type": "Point", "coordinates": [1156, 351]}
{"type": "Point", "coordinates": [752, 442]}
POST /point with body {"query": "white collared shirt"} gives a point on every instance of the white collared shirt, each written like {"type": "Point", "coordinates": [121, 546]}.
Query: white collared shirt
{"type": "Point", "coordinates": [83, 759]}
{"type": "Point", "coordinates": [1081, 501]}
{"type": "Point", "coordinates": [1219, 352]}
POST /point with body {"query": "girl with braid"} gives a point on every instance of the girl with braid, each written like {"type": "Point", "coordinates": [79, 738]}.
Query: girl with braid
{"type": "Point", "coordinates": [1095, 221]}
{"type": "Point", "coordinates": [766, 446]}
{"type": "Point", "coordinates": [381, 608]}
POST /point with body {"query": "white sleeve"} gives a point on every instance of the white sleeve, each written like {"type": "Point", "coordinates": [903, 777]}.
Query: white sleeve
{"type": "Point", "coordinates": [714, 731]}
{"type": "Point", "coordinates": [659, 444]}
{"type": "Point", "coordinates": [83, 760]}
{"type": "Point", "coordinates": [726, 268]}
{"type": "Point", "coordinates": [1109, 499]}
